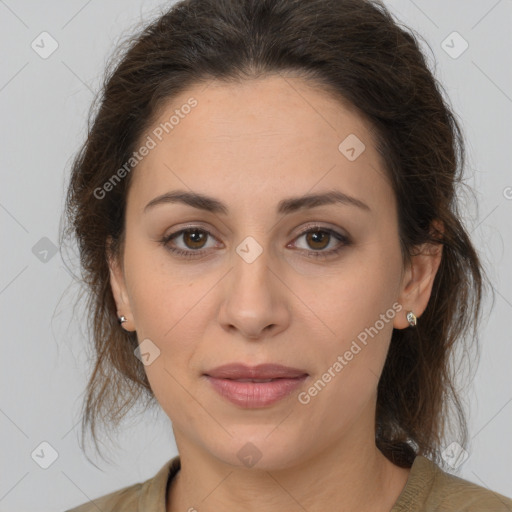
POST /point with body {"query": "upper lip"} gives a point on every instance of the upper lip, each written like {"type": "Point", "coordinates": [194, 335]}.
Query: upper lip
{"type": "Point", "coordinates": [261, 371]}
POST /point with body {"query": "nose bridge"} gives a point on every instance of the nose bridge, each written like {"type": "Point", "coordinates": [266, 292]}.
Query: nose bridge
{"type": "Point", "coordinates": [252, 275]}
{"type": "Point", "coordinates": [253, 301]}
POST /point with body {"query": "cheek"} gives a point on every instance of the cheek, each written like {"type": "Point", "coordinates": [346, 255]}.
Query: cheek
{"type": "Point", "coordinates": [359, 306]}
{"type": "Point", "coordinates": [168, 311]}
{"type": "Point", "coordinates": [353, 297]}
{"type": "Point", "coordinates": [160, 294]}
{"type": "Point", "coordinates": [171, 307]}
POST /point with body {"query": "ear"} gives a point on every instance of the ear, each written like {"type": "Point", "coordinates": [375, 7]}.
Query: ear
{"type": "Point", "coordinates": [118, 286]}
{"type": "Point", "coordinates": [418, 279]}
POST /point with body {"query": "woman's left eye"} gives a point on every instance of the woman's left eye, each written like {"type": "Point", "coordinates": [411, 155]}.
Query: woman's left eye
{"type": "Point", "coordinates": [194, 239]}
{"type": "Point", "coordinates": [319, 238]}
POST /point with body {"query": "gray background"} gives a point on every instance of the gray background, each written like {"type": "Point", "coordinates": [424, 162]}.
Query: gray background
{"type": "Point", "coordinates": [44, 369]}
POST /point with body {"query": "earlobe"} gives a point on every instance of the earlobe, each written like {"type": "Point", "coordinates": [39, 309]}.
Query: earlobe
{"type": "Point", "coordinates": [418, 282]}
{"type": "Point", "coordinates": [118, 287]}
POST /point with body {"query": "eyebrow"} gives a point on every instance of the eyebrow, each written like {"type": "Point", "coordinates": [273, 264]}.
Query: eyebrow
{"type": "Point", "coordinates": [286, 206]}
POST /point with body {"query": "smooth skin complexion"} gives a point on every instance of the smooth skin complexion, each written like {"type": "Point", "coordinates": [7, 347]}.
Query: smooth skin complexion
{"type": "Point", "coordinates": [251, 145]}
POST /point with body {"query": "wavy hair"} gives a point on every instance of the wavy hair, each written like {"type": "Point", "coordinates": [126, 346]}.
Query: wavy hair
{"type": "Point", "coordinates": [357, 51]}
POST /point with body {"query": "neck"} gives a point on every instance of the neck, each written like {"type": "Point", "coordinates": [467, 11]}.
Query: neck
{"type": "Point", "coordinates": [351, 476]}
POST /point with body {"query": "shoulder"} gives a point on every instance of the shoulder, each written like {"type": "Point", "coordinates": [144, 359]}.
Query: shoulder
{"type": "Point", "coordinates": [147, 495]}
{"type": "Point", "coordinates": [455, 493]}
{"type": "Point", "coordinates": [125, 499]}
{"type": "Point", "coordinates": [431, 488]}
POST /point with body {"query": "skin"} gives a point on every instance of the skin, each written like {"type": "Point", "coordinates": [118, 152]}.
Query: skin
{"type": "Point", "coordinates": [250, 145]}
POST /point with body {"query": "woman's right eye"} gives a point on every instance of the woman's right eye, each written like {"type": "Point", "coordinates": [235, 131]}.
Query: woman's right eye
{"type": "Point", "coordinates": [193, 240]}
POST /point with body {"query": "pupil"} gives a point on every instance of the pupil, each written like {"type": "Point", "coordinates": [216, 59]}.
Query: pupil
{"type": "Point", "coordinates": [195, 235]}
{"type": "Point", "coordinates": [318, 236]}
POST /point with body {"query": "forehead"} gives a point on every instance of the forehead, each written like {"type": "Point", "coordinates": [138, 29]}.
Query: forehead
{"type": "Point", "coordinates": [279, 134]}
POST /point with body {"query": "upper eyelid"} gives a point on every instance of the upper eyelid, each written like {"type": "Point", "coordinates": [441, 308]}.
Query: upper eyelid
{"type": "Point", "coordinates": [309, 227]}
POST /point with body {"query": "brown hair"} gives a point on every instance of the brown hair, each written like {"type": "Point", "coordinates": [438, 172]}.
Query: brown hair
{"type": "Point", "coordinates": [356, 50]}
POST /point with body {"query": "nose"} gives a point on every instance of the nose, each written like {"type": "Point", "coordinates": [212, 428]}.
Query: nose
{"type": "Point", "coordinates": [255, 302]}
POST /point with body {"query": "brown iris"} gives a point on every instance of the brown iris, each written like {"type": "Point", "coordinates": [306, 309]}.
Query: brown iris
{"type": "Point", "coordinates": [196, 236]}
{"type": "Point", "coordinates": [318, 237]}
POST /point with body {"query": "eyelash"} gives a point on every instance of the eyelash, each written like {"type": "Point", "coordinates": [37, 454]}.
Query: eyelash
{"type": "Point", "coordinates": [345, 241]}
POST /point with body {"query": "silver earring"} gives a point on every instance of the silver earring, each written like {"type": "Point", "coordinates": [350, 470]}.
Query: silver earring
{"type": "Point", "coordinates": [411, 318]}
{"type": "Point", "coordinates": [121, 319]}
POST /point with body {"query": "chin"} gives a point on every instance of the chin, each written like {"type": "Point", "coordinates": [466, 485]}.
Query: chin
{"type": "Point", "coordinates": [259, 450]}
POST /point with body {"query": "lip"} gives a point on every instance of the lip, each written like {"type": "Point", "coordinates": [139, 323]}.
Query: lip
{"type": "Point", "coordinates": [261, 371]}
{"type": "Point", "coordinates": [225, 381]}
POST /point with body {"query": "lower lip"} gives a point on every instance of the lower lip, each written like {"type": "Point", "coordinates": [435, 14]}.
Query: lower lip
{"type": "Point", "coordinates": [255, 394]}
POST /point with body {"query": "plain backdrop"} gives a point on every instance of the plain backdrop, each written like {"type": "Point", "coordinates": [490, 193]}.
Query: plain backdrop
{"type": "Point", "coordinates": [44, 369]}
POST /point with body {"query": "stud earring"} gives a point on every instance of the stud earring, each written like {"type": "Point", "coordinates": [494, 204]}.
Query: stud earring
{"type": "Point", "coordinates": [411, 318]}
{"type": "Point", "coordinates": [121, 319]}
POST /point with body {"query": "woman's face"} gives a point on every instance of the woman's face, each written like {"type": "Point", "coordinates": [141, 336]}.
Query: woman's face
{"type": "Point", "coordinates": [260, 280]}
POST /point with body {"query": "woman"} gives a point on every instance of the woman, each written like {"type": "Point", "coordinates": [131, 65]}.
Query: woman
{"type": "Point", "coordinates": [266, 214]}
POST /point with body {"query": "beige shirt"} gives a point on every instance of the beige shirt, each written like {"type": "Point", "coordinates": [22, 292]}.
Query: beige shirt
{"type": "Point", "coordinates": [428, 488]}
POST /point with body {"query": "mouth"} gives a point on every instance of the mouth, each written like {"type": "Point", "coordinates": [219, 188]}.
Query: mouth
{"type": "Point", "coordinates": [260, 373]}
{"type": "Point", "coordinates": [249, 391]}
{"type": "Point", "coordinates": [255, 380]}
